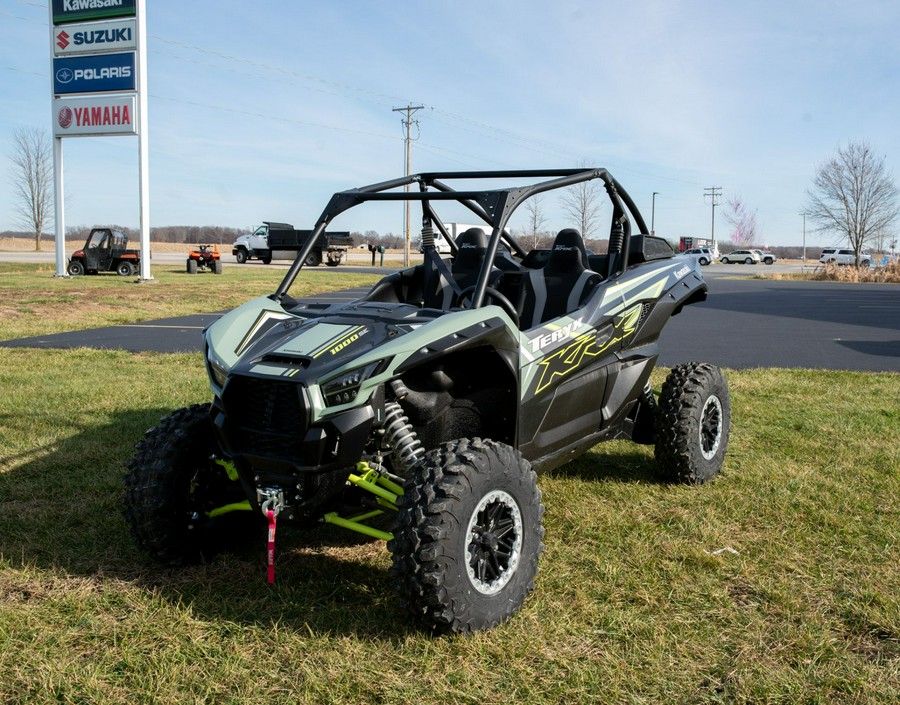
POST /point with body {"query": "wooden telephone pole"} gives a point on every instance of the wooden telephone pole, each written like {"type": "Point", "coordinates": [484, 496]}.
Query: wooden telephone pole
{"type": "Point", "coordinates": [407, 124]}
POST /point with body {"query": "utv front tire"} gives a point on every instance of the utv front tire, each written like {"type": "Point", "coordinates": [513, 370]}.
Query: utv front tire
{"type": "Point", "coordinates": [693, 423]}
{"type": "Point", "coordinates": [468, 536]}
{"type": "Point", "coordinates": [171, 487]}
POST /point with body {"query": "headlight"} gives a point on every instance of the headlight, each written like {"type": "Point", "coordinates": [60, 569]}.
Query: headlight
{"type": "Point", "coordinates": [216, 369]}
{"type": "Point", "coordinates": [344, 388]}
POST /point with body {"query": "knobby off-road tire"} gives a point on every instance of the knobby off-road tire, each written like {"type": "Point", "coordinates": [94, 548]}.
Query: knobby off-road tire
{"type": "Point", "coordinates": [75, 268]}
{"type": "Point", "coordinates": [468, 536]}
{"type": "Point", "coordinates": [191, 266]}
{"type": "Point", "coordinates": [217, 266]}
{"type": "Point", "coordinates": [171, 483]}
{"type": "Point", "coordinates": [692, 423]}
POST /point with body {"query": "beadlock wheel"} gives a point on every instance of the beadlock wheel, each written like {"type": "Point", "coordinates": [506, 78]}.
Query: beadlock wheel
{"type": "Point", "coordinates": [711, 427]}
{"type": "Point", "coordinates": [495, 543]}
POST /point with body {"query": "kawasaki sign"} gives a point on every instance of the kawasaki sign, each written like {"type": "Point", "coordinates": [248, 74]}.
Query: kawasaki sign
{"type": "Point", "coordinates": [80, 10]}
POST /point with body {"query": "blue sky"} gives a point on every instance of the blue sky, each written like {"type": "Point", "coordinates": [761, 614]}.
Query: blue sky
{"type": "Point", "coordinates": [261, 110]}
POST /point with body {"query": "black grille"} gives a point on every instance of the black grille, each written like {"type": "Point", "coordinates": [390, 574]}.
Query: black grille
{"type": "Point", "coordinates": [265, 417]}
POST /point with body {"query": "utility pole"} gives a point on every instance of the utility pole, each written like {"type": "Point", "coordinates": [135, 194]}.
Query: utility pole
{"type": "Point", "coordinates": [407, 124]}
{"type": "Point", "coordinates": [713, 192]}
{"type": "Point", "coordinates": [804, 236]}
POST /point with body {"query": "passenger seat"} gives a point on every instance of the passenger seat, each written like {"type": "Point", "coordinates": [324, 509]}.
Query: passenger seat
{"type": "Point", "coordinates": [562, 285]}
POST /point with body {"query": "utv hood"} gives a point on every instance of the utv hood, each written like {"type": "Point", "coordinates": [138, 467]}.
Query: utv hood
{"type": "Point", "coordinates": [262, 338]}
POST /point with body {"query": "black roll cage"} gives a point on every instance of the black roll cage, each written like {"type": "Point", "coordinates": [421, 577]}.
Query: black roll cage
{"type": "Point", "coordinates": [493, 206]}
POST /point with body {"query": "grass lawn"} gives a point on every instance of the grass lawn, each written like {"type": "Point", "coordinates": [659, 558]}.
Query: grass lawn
{"type": "Point", "coordinates": [34, 302]}
{"type": "Point", "coordinates": [635, 601]}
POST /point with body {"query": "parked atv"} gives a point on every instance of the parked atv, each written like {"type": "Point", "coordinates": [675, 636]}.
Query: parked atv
{"type": "Point", "coordinates": [205, 258]}
{"type": "Point", "coordinates": [105, 250]}
{"type": "Point", "coordinates": [435, 398]}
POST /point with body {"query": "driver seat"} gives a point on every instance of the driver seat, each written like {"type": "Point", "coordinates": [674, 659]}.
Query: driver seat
{"type": "Point", "coordinates": [464, 269]}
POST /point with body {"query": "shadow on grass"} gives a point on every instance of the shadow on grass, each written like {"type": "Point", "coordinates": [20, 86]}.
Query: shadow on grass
{"type": "Point", "coordinates": [62, 513]}
{"type": "Point", "coordinates": [619, 461]}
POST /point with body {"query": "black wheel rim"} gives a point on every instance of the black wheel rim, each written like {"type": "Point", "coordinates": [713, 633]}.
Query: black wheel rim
{"type": "Point", "coordinates": [711, 427]}
{"type": "Point", "coordinates": [494, 542]}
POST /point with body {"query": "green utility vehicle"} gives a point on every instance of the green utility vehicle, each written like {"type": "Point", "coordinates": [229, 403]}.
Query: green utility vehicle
{"type": "Point", "coordinates": [420, 413]}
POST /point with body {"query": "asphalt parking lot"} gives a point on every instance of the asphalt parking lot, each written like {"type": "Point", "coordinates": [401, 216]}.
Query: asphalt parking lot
{"type": "Point", "coordinates": [745, 323]}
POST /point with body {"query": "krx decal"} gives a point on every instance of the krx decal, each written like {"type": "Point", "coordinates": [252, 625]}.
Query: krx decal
{"type": "Point", "coordinates": [585, 348]}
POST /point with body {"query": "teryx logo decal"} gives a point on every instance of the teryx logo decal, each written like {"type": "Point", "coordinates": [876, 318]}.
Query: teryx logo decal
{"type": "Point", "coordinates": [585, 348]}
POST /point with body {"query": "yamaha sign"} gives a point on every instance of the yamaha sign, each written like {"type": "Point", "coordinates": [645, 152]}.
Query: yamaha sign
{"type": "Point", "coordinates": [79, 10]}
{"type": "Point", "coordinates": [118, 35]}
{"type": "Point", "coordinates": [100, 73]}
{"type": "Point", "coordinates": [100, 115]}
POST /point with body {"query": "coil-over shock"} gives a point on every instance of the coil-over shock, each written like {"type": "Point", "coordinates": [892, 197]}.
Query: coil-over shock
{"type": "Point", "coordinates": [398, 431]}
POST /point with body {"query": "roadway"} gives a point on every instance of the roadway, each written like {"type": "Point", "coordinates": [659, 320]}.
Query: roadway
{"type": "Point", "coordinates": [745, 323]}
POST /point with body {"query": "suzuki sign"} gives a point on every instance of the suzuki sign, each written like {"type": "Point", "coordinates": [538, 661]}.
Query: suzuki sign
{"type": "Point", "coordinates": [100, 73]}
{"type": "Point", "coordinates": [96, 37]}
{"type": "Point", "coordinates": [103, 115]}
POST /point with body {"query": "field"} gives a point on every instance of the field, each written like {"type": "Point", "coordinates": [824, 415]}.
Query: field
{"type": "Point", "coordinates": [778, 582]}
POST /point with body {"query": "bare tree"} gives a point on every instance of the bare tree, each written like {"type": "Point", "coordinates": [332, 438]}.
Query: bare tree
{"type": "Point", "coordinates": [853, 194]}
{"type": "Point", "coordinates": [534, 227]}
{"type": "Point", "coordinates": [582, 204]}
{"type": "Point", "coordinates": [32, 178]}
{"type": "Point", "coordinates": [743, 220]}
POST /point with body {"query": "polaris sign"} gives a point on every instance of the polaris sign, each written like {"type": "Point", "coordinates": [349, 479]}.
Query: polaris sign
{"type": "Point", "coordinates": [118, 35]}
{"type": "Point", "coordinates": [100, 73]}
{"type": "Point", "coordinates": [79, 10]}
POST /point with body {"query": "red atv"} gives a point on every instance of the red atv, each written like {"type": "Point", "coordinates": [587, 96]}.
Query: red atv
{"type": "Point", "coordinates": [205, 258]}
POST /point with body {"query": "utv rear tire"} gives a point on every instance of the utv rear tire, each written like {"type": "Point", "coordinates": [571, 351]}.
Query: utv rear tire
{"type": "Point", "coordinates": [468, 536]}
{"type": "Point", "coordinates": [125, 269]}
{"type": "Point", "coordinates": [693, 423]}
{"type": "Point", "coordinates": [172, 483]}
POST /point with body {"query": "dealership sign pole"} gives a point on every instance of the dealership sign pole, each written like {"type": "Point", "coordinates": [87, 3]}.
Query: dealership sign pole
{"type": "Point", "coordinates": [99, 88]}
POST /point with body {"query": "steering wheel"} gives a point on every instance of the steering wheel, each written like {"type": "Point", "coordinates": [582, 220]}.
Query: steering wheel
{"type": "Point", "coordinates": [495, 296]}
